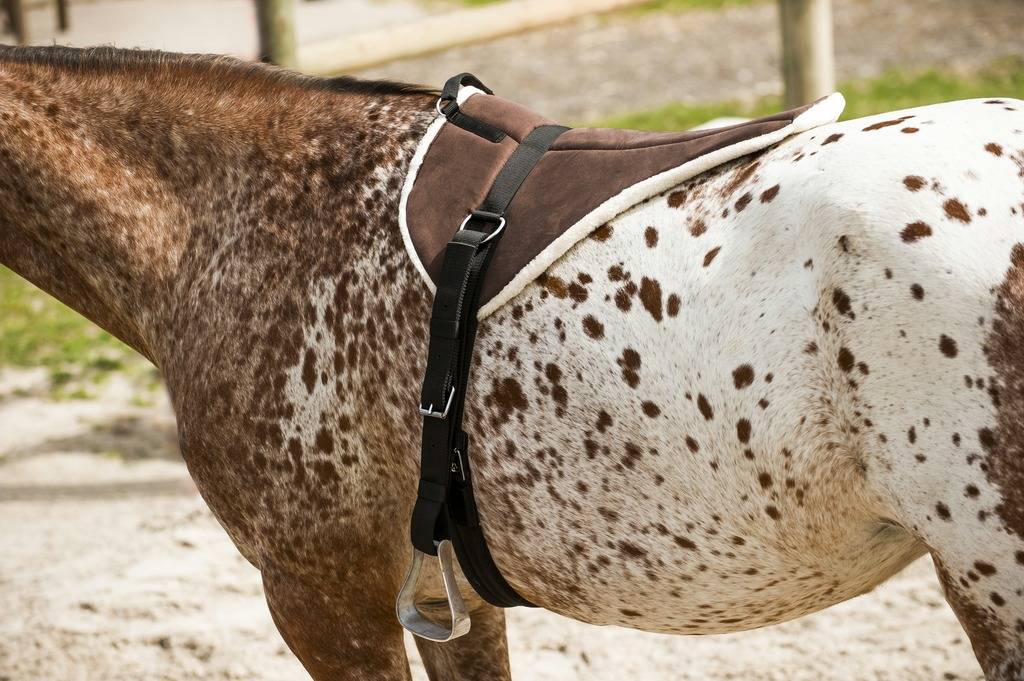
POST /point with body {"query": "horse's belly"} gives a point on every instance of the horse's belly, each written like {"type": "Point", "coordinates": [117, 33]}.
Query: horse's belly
{"type": "Point", "coordinates": [669, 434]}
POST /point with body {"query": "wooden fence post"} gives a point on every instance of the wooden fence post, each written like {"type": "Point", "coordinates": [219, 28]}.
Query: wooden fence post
{"type": "Point", "coordinates": [62, 15]}
{"type": "Point", "coordinates": [276, 20]}
{"type": "Point", "coordinates": [18, 20]}
{"type": "Point", "coordinates": [808, 60]}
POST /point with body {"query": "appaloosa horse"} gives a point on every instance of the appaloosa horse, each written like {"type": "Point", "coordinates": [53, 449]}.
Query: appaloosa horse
{"type": "Point", "coordinates": [750, 398]}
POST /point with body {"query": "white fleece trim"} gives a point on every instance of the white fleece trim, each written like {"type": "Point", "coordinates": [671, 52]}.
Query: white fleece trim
{"type": "Point", "coordinates": [826, 111]}
{"type": "Point", "coordinates": [410, 179]}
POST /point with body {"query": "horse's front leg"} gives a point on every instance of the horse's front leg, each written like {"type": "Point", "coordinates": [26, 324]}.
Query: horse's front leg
{"type": "Point", "coordinates": [347, 633]}
{"type": "Point", "coordinates": [480, 654]}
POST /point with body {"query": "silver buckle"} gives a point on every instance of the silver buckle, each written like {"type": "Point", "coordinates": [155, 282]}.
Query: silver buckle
{"type": "Point", "coordinates": [429, 411]}
{"type": "Point", "coordinates": [408, 610]}
{"type": "Point", "coordinates": [496, 232]}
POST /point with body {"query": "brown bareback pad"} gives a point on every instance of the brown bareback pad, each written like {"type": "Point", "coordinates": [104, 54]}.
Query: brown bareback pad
{"type": "Point", "coordinates": [584, 168]}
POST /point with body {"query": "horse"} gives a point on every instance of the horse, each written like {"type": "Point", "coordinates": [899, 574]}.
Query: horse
{"type": "Point", "coordinates": [758, 394]}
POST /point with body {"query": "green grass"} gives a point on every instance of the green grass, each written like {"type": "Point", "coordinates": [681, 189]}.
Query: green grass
{"type": "Point", "coordinates": [684, 5]}
{"type": "Point", "coordinates": [38, 331]}
{"type": "Point", "coordinates": [893, 90]}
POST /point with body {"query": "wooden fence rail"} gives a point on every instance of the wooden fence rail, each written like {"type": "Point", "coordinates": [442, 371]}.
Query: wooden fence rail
{"type": "Point", "coordinates": [436, 33]}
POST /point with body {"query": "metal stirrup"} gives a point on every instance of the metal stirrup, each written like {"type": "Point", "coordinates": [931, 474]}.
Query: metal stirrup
{"type": "Point", "coordinates": [409, 613]}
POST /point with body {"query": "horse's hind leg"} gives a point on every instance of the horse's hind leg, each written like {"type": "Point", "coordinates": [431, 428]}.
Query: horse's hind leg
{"type": "Point", "coordinates": [480, 654]}
{"type": "Point", "coordinates": [989, 604]}
{"type": "Point", "coordinates": [338, 636]}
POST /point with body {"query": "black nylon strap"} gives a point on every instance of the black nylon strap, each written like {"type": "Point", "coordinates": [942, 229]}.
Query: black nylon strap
{"type": "Point", "coordinates": [445, 506]}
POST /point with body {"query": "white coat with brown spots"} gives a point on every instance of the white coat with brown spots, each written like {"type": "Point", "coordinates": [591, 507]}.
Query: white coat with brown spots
{"type": "Point", "coordinates": [757, 395]}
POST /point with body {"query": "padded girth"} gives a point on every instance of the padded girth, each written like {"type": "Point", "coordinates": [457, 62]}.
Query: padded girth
{"type": "Point", "coordinates": [583, 169]}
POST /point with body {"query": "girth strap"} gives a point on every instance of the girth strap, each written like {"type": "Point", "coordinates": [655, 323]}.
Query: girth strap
{"type": "Point", "coordinates": [445, 507]}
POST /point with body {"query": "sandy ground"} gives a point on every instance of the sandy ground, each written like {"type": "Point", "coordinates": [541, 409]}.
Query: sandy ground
{"type": "Point", "coordinates": [112, 569]}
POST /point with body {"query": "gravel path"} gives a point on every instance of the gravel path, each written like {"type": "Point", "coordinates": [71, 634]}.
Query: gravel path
{"type": "Point", "coordinates": [598, 66]}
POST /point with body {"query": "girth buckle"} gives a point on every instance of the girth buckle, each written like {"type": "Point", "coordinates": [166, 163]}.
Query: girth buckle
{"type": "Point", "coordinates": [429, 410]}
{"type": "Point", "coordinates": [409, 612]}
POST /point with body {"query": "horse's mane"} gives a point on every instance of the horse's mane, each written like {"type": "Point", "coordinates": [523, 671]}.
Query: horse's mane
{"type": "Point", "coordinates": [112, 59]}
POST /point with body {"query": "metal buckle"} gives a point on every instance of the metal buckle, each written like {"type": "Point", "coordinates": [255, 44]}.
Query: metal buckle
{"type": "Point", "coordinates": [438, 105]}
{"type": "Point", "coordinates": [485, 216]}
{"type": "Point", "coordinates": [429, 410]}
{"type": "Point", "coordinates": [408, 611]}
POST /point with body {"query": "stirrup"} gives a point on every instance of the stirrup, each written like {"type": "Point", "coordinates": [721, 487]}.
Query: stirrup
{"type": "Point", "coordinates": [409, 613]}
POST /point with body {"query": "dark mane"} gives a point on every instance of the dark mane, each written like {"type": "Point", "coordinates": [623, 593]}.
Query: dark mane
{"type": "Point", "coordinates": [112, 59]}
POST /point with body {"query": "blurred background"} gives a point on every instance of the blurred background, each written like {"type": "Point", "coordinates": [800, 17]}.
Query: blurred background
{"type": "Point", "coordinates": [110, 565]}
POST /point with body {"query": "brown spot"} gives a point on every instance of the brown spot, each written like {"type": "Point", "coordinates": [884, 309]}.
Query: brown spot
{"type": "Point", "coordinates": [631, 613]}
{"type": "Point", "coordinates": [811, 348]}
{"type": "Point", "coordinates": [651, 237]}
{"type": "Point", "coordinates": [692, 444]}
{"type": "Point", "coordinates": [772, 512]}
{"type": "Point", "coordinates": [602, 233]}
{"type": "Point", "coordinates": [705, 408]}
{"type": "Point", "coordinates": [942, 511]}
{"type": "Point", "coordinates": [765, 479]}
{"type": "Point", "coordinates": [676, 199]}
{"type": "Point", "coordinates": [556, 285]}
{"type": "Point", "coordinates": [957, 211]}
{"type": "Point", "coordinates": [947, 345]}
{"type": "Point", "coordinates": [672, 306]}
{"type": "Point", "coordinates": [994, 149]}
{"type": "Point", "coordinates": [909, 131]}
{"type": "Point", "coordinates": [742, 376]}
{"type": "Point", "coordinates": [986, 569]}
{"type": "Point", "coordinates": [917, 291]}
{"type": "Point", "coordinates": [842, 302]}
{"type": "Point", "coordinates": [886, 124]}
{"type": "Point", "coordinates": [743, 202]}
{"type": "Point", "coordinates": [630, 365]}
{"type": "Point", "coordinates": [631, 550]}
{"type": "Point", "coordinates": [698, 227]}
{"type": "Point", "coordinates": [507, 395]}
{"type": "Point", "coordinates": [743, 430]}
{"type": "Point", "coordinates": [915, 231]}
{"type": "Point", "coordinates": [684, 543]}
{"type": "Point", "coordinates": [710, 255]}
{"type": "Point", "coordinates": [845, 359]}
{"type": "Point", "coordinates": [324, 441]}
{"type": "Point", "coordinates": [577, 293]}
{"type": "Point", "coordinates": [593, 327]}
{"type": "Point", "coordinates": [768, 195]}
{"type": "Point", "coordinates": [604, 421]}
{"type": "Point", "coordinates": [913, 182]}
{"type": "Point", "coordinates": [651, 410]}
{"type": "Point", "coordinates": [833, 138]}
{"type": "Point", "coordinates": [650, 296]}
{"type": "Point", "coordinates": [623, 301]}
{"type": "Point", "coordinates": [309, 370]}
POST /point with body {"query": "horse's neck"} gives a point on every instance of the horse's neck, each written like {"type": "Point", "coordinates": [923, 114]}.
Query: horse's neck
{"type": "Point", "coordinates": [118, 188]}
